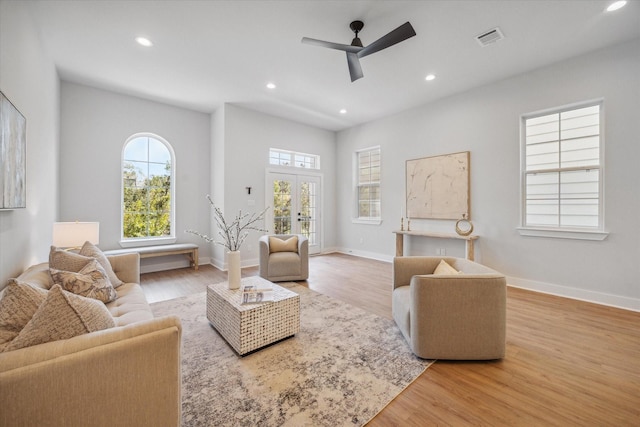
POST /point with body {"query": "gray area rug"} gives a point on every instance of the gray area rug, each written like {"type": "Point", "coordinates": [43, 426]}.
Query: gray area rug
{"type": "Point", "coordinates": [342, 368]}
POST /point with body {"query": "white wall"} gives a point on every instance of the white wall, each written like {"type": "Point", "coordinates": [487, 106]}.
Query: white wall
{"type": "Point", "coordinates": [485, 121]}
{"type": "Point", "coordinates": [95, 125]}
{"type": "Point", "coordinates": [29, 79]}
{"type": "Point", "coordinates": [248, 136]}
{"type": "Point", "coordinates": [217, 179]}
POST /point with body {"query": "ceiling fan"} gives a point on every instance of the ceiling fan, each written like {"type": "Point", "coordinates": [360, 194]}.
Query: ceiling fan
{"type": "Point", "coordinates": [355, 50]}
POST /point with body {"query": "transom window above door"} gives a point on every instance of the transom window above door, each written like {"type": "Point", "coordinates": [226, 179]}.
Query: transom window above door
{"type": "Point", "coordinates": [293, 159]}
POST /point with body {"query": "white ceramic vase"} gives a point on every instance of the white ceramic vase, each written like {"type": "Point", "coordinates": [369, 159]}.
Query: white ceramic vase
{"type": "Point", "coordinates": [233, 269]}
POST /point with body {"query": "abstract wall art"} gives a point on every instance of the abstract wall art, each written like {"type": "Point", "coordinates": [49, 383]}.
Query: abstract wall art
{"type": "Point", "coordinates": [438, 187]}
{"type": "Point", "coordinates": [13, 156]}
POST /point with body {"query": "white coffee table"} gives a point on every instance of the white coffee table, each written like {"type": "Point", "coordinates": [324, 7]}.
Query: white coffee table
{"type": "Point", "coordinates": [251, 326]}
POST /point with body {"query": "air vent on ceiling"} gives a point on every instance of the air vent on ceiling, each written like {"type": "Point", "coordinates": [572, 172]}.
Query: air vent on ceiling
{"type": "Point", "coordinates": [489, 37]}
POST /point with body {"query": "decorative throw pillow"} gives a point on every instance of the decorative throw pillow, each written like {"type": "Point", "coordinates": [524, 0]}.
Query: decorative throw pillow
{"type": "Point", "coordinates": [445, 268]}
{"type": "Point", "coordinates": [279, 245]}
{"type": "Point", "coordinates": [91, 250]}
{"type": "Point", "coordinates": [62, 315]}
{"type": "Point", "coordinates": [67, 261]}
{"type": "Point", "coordinates": [91, 281]}
{"type": "Point", "coordinates": [18, 304]}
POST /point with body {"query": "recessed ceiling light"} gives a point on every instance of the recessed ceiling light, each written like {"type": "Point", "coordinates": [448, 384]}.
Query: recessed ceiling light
{"type": "Point", "coordinates": [343, 111]}
{"type": "Point", "coordinates": [430, 77]}
{"type": "Point", "coordinates": [143, 41]}
{"type": "Point", "coordinates": [616, 5]}
{"type": "Point", "coordinates": [271, 86]}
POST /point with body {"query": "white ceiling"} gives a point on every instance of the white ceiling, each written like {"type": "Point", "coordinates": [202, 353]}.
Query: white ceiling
{"type": "Point", "coordinates": [209, 52]}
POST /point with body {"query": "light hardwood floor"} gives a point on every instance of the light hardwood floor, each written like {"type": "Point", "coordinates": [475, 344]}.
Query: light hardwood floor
{"type": "Point", "coordinates": [568, 363]}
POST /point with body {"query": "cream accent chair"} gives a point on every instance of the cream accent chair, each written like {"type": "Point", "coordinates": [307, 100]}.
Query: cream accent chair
{"type": "Point", "coordinates": [454, 317]}
{"type": "Point", "coordinates": [286, 265]}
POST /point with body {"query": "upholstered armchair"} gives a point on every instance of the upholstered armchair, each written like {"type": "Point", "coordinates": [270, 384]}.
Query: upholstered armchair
{"type": "Point", "coordinates": [284, 257]}
{"type": "Point", "coordinates": [451, 316]}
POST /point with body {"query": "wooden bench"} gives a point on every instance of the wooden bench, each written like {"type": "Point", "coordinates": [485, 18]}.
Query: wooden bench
{"type": "Point", "coordinates": [188, 249]}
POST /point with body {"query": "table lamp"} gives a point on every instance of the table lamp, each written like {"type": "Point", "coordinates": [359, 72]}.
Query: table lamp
{"type": "Point", "coordinates": [72, 235]}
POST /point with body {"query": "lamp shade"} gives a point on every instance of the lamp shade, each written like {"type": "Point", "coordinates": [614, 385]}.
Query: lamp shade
{"type": "Point", "coordinates": [74, 234]}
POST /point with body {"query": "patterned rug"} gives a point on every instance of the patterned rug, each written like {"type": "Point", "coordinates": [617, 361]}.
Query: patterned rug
{"type": "Point", "coordinates": [342, 368]}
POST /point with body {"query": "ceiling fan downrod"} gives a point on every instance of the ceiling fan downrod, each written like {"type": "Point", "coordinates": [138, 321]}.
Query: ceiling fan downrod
{"type": "Point", "coordinates": [356, 27]}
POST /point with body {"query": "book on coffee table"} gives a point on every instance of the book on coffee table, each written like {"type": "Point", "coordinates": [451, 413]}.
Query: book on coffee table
{"type": "Point", "coordinates": [252, 294]}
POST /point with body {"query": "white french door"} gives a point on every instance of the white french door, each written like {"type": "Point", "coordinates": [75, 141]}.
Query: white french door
{"type": "Point", "coordinates": [295, 202]}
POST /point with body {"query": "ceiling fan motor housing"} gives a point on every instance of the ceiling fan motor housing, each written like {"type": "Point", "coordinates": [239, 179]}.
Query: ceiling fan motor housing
{"type": "Point", "coordinates": [356, 26]}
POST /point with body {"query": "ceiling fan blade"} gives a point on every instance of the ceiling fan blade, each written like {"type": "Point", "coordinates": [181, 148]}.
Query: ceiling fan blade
{"type": "Point", "coordinates": [330, 45]}
{"type": "Point", "coordinates": [401, 33]}
{"type": "Point", "coordinates": [355, 70]}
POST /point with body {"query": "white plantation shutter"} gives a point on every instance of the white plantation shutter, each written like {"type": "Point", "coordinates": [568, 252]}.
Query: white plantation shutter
{"type": "Point", "coordinates": [562, 169]}
{"type": "Point", "coordinates": [368, 183]}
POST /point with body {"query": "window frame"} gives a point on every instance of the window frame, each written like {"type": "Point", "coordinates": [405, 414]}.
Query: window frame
{"type": "Point", "coordinates": [293, 155]}
{"type": "Point", "coordinates": [357, 219]}
{"type": "Point", "coordinates": [582, 233]}
{"type": "Point", "coordinates": [149, 240]}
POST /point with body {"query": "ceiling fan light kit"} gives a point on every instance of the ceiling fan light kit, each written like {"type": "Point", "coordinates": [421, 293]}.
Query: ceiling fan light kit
{"type": "Point", "coordinates": [356, 50]}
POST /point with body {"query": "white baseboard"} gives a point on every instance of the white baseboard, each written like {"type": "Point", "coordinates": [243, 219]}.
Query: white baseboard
{"type": "Point", "coordinates": [601, 298]}
{"type": "Point", "coordinates": [364, 254]}
{"type": "Point", "coordinates": [223, 265]}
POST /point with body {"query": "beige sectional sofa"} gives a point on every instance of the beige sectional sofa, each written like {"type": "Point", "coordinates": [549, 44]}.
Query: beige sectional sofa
{"type": "Point", "coordinates": [127, 375]}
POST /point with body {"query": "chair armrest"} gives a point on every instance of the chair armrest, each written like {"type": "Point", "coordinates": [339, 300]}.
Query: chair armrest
{"type": "Point", "coordinates": [303, 246]}
{"type": "Point", "coordinates": [404, 268]}
{"type": "Point", "coordinates": [263, 248]}
{"type": "Point", "coordinates": [128, 375]}
{"type": "Point", "coordinates": [126, 266]}
{"type": "Point", "coordinates": [303, 251]}
{"type": "Point", "coordinates": [471, 307]}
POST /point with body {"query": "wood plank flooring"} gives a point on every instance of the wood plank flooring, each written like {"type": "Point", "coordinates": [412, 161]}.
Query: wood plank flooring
{"type": "Point", "coordinates": [568, 363]}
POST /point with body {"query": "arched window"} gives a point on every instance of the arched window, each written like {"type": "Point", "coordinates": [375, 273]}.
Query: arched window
{"type": "Point", "coordinates": [148, 168]}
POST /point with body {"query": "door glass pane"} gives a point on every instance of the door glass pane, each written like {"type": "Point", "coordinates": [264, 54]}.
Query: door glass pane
{"type": "Point", "coordinates": [282, 207]}
{"type": "Point", "coordinates": [308, 211]}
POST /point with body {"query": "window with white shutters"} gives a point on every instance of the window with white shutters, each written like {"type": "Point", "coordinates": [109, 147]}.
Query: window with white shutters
{"type": "Point", "coordinates": [562, 169]}
{"type": "Point", "coordinates": [368, 183]}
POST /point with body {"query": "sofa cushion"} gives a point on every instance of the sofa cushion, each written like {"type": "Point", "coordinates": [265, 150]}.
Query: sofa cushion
{"type": "Point", "coordinates": [19, 303]}
{"type": "Point", "coordinates": [131, 306]}
{"type": "Point", "coordinates": [284, 264]}
{"type": "Point", "coordinates": [91, 250]}
{"type": "Point", "coordinates": [277, 244]}
{"type": "Point", "coordinates": [37, 276]}
{"type": "Point", "coordinates": [91, 281]}
{"type": "Point", "coordinates": [62, 315]}
{"type": "Point", "coordinates": [444, 268]}
{"type": "Point", "coordinates": [67, 261]}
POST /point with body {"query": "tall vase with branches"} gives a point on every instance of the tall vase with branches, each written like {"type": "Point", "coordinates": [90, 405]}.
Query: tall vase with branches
{"type": "Point", "coordinates": [231, 235]}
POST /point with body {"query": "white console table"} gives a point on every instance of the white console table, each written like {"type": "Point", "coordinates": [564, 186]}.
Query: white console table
{"type": "Point", "coordinates": [401, 233]}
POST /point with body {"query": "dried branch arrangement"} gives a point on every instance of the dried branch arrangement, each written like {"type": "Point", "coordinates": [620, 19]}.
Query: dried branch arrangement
{"type": "Point", "coordinates": [231, 235]}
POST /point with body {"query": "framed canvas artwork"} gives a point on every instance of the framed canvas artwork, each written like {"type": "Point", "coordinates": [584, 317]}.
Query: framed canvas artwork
{"type": "Point", "coordinates": [438, 187]}
{"type": "Point", "coordinates": [13, 156]}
